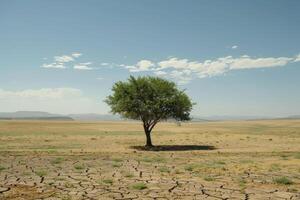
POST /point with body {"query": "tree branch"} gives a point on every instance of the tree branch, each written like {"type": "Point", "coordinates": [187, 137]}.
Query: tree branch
{"type": "Point", "coordinates": [153, 124]}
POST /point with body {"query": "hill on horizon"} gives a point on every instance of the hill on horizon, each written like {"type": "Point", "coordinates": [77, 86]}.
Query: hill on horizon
{"type": "Point", "coordinates": [32, 115]}
{"type": "Point", "coordinates": [40, 115]}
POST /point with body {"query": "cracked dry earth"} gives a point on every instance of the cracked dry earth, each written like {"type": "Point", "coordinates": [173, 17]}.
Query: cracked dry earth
{"type": "Point", "coordinates": [93, 160]}
{"type": "Point", "coordinates": [136, 176]}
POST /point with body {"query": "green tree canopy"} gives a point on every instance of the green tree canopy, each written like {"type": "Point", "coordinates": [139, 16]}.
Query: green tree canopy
{"type": "Point", "coordinates": [151, 100]}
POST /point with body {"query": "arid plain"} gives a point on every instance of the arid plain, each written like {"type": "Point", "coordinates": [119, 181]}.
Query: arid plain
{"type": "Point", "coordinates": [102, 160]}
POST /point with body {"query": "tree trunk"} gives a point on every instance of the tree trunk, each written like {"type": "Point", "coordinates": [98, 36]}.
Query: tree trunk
{"type": "Point", "coordinates": [148, 128]}
{"type": "Point", "coordinates": [148, 137]}
{"type": "Point", "coordinates": [148, 141]}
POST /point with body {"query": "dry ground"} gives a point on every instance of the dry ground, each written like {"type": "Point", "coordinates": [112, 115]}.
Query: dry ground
{"type": "Point", "coordinates": [93, 160]}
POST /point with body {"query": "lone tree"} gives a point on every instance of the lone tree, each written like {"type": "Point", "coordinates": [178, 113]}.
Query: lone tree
{"type": "Point", "coordinates": [151, 100]}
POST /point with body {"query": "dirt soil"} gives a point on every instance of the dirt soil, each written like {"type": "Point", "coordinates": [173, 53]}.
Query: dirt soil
{"type": "Point", "coordinates": [105, 160]}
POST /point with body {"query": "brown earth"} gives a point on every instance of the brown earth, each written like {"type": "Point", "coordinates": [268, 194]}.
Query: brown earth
{"type": "Point", "coordinates": [105, 160]}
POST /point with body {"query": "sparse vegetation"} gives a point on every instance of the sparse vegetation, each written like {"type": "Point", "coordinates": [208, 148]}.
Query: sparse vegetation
{"type": "Point", "coordinates": [244, 161]}
{"type": "Point", "coordinates": [164, 169]}
{"type": "Point", "coordinates": [108, 181]}
{"type": "Point", "coordinates": [59, 179]}
{"type": "Point", "coordinates": [283, 181]}
{"type": "Point", "coordinates": [66, 198]}
{"type": "Point", "coordinates": [113, 164]}
{"type": "Point", "coordinates": [26, 173]}
{"type": "Point", "coordinates": [219, 162]}
{"type": "Point", "coordinates": [41, 173]}
{"type": "Point", "coordinates": [128, 175]}
{"type": "Point", "coordinates": [152, 159]}
{"type": "Point", "coordinates": [209, 178]}
{"type": "Point", "coordinates": [58, 160]}
{"type": "Point", "coordinates": [191, 167]}
{"type": "Point", "coordinates": [69, 185]}
{"type": "Point", "coordinates": [159, 159]}
{"type": "Point", "coordinates": [297, 155]}
{"type": "Point", "coordinates": [2, 168]}
{"type": "Point", "coordinates": [146, 159]}
{"type": "Point", "coordinates": [116, 164]}
{"type": "Point", "coordinates": [284, 156]}
{"type": "Point", "coordinates": [117, 159]}
{"type": "Point", "coordinates": [139, 186]}
{"type": "Point", "coordinates": [275, 167]}
{"type": "Point", "coordinates": [79, 166]}
{"type": "Point", "coordinates": [242, 182]}
{"type": "Point", "coordinates": [177, 171]}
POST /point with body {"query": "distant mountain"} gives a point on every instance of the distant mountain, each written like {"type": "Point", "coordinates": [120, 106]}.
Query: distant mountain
{"type": "Point", "coordinates": [32, 115]}
{"type": "Point", "coordinates": [200, 119]}
{"type": "Point", "coordinates": [37, 115]}
{"type": "Point", "coordinates": [294, 117]}
{"type": "Point", "coordinates": [95, 117]}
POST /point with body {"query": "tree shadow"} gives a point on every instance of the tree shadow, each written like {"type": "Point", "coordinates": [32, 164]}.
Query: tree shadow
{"type": "Point", "coordinates": [174, 148]}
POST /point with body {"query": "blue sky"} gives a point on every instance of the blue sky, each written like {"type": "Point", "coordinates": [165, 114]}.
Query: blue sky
{"type": "Point", "coordinates": [232, 57]}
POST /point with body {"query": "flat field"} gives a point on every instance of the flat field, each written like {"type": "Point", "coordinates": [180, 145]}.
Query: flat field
{"type": "Point", "coordinates": [98, 160]}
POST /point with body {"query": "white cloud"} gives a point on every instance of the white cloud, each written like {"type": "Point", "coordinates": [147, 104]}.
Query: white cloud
{"type": "Point", "coordinates": [56, 100]}
{"type": "Point", "coordinates": [222, 65]}
{"type": "Point", "coordinates": [76, 54]}
{"type": "Point", "coordinates": [54, 65]}
{"type": "Point", "coordinates": [83, 66]}
{"type": "Point", "coordinates": [63, 59]}
{"type": "Point", "coordinates": [234, 47]}
{"type": "Point", "coordinates": [173, 63]}
{"type": "Point", "coordinates": [145, 65]}
{"type": "Point", "coordinates": [251, 63]}
{"type": "Point", "coordinates": [60, 62]}
{"type": "Point", "coordinates": [245, 56]}
{"type": "Point", "coordinates": [142, 65]}
{"type": "Point", "coordinates": [183, 70]}
{"type": "Point", "coordinates": [160, 73]}
{"type": "Point", "coordinates": [297, 59]}
{"type": "Point", "coordinates": [86, 63]}
{"type": "Point", "coordinates": [131, 68]}
{"type": "Point", "coordinates": [181, 77]}
{"type": "Point", "coordinates": [206, 68]}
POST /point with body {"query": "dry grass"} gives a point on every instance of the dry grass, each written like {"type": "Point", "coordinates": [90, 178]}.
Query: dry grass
{"type": "Point", "coordinates": [242, 136]}
{"type": "Point", "coordinates": [83, 155]}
